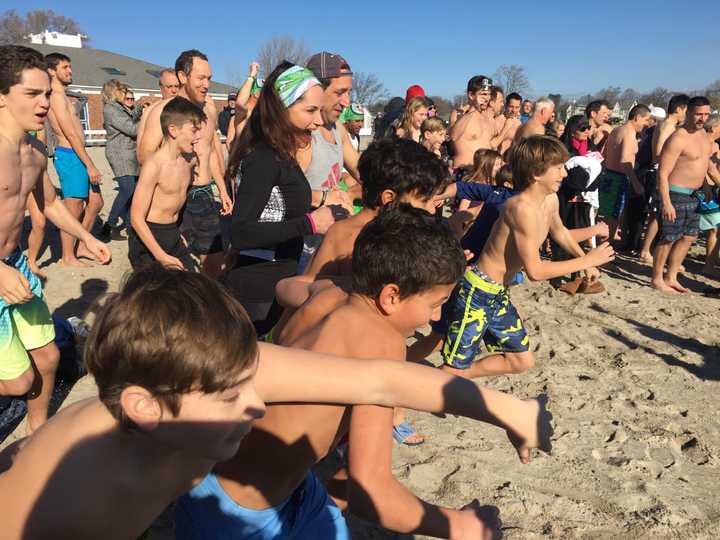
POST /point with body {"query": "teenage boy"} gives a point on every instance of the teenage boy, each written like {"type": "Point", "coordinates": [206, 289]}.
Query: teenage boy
{"type": "Point", "coordinates": [162, 190]}
{"type": "Point", "coordinates": [404, 266]}
{"type": "Point", "coordinates": [480, 308]}
{"type": "Point", "coordinates": [167, 411]}
{"type": "Point", "coordinates": [28, 355]}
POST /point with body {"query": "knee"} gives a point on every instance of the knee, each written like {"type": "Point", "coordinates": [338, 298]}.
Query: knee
{"type": "Point", "coordinates": [520, 362]}
{"type": "Point", "coordinates": [47, 358]}
{"type": "Point", "coordinates": [18, 386]}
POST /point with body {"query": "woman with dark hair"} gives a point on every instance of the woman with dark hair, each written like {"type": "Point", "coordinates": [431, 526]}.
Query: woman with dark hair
{"type": "Point", "coordinates": [272, 212]}
{"type": "Point", "coordinates": [577, 136]}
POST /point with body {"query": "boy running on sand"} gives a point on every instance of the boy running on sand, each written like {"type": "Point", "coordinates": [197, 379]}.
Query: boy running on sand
{"type": "Point", "coordinates": [167, 411]}
{"type": "Point", "coordinates": [162, 190]}
{"type": "Point", "coordinates": [28, 354]}
{"type": "Point", "coordinates": [405, 265]}
{"type": "Point", "coordinates": [480, 308]}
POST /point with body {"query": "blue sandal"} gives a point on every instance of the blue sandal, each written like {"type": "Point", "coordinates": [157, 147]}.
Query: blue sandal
{"type": "Point", "coordinates": [402, 432]}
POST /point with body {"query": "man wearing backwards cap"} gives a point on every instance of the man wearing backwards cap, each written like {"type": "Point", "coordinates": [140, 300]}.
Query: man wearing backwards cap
{"type": "Point", "coordinates": [330, 147]}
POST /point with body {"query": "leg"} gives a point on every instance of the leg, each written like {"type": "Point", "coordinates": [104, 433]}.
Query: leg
{"type": "Point", "coordinates": [45, 360]}
{"type": "Point", "coordinates": [92, 209]}
{"type": "Point", "coordinates": [37, 234]}
{"type": "Point", "coordinates": [713, 259]}
{"type": "Point", "coordinates": [75, 206]}
{"type": "Point", "coordinates": [650, 234]}
{"type": "Point", "coordinates": [412, 439]}
{"type": "Point", "coordinates": [496, 364]}
{"type": "Point", "coordinates": [677, 256]}
{"type": "Point", "coordinates": [121, 204]}
{"type": "Point", "coordinates": [662, 251]}
{"type": "Point", "coordinates": [19, 386]}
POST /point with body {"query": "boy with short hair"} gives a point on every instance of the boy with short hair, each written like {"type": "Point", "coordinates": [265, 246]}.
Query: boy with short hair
{"type": "Point", "coordinates": [405, 265]}
{"type": "Point", "coordinates": [167, 410]}
{"type": "Point", "coordinates": [162, 190]}
{"type": "Point", "coordinates": [480, 308]}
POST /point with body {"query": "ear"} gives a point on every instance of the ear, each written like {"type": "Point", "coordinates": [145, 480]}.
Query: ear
{"type": "Point", "coordinates": [182, 77]}
{"type": "Point", "coordinates": [140, 406]}
{"type": "Point", "coordinates": [173, 131]}
{"type": "Point", "coordinates": [389, 299]}
{"type": "Point", "coordinates": [388, 196]}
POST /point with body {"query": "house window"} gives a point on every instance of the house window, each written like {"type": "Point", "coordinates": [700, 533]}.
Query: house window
{"type": "Point", "coordinates": [84, 116]}
{"type": "Point", "coordinates": [113, 71]}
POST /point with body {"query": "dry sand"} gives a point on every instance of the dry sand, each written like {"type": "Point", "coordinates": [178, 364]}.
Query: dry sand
{"type": "Point", "coordinates": [633, 381]}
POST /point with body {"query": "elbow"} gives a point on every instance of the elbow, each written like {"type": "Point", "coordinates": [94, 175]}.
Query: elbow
{"type": "Point", "coordinates": [360, 499]}
{"type": "Point", "coordinates": [534, 274]}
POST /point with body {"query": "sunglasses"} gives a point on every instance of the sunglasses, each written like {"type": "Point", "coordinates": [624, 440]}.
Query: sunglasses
{"type": "Point", "coordinates": [583, 128]}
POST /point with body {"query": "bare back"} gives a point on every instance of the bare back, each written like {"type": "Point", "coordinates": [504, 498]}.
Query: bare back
{"type": "Point", "coordinates": [19, 174]}
{"type": "Point", "coordinates": [660, 136]}
{"type": "Point", "coordinates": [62, 116]}
{"type": "Point", "coordinates": [624, 135]}
{"type": "Point", "coordinates": [528, 129]}
{"type": "Point", "coordinates": [471, 132]}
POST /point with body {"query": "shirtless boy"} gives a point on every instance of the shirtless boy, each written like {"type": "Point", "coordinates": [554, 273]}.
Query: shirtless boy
{"type": "Point", "coordinates": [684, 162]}
{"type": "Point", "coordinates": [677, 109]}
{"type": "Point", "coordinates": [165, 415]}
{"type": "Point", "coordinates": [512, 120]}
{"type": "Point", "coordinates": [620, 151]}
{"type": "Point", "coordinates": [404, 267]}
{"type": "Point", "coordinates": [480, 308]}
{"type": "Point", "coordinates": [79, 177]}
{"type": "Point", "coordinates": [201, 219]}
{"type": "Point", "coordinates": [475, 129]}
{"type": "Point", "coordinates": [162, 190]}
{"type": "Point", "coordinates": [28, 355]}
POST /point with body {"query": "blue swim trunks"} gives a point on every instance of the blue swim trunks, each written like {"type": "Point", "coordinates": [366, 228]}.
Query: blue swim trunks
{"type": "Point", "coordinates": [74, 180]}
{"type": "Point", "coordinates": [480, 310]}
{"type": "Point", "coordinates": [208, 513]}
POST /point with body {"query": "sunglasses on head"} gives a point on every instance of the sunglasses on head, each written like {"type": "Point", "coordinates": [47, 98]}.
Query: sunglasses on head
{"type": "Point", "coordinates": [583, 128]}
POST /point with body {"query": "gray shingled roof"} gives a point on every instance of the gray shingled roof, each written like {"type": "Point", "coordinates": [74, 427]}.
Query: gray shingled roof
{"type": "Point", "coordinates": [93, 67]}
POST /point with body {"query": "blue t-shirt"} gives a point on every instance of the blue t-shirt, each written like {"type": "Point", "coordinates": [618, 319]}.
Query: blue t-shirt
{"type": "Point", "coordinates": [494, 198]}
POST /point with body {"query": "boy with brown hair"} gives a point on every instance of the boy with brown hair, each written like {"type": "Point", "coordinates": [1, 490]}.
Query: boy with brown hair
{"type": "Point", "coordinates": [162, 190]}
{"type": "Point", "coordinates": [168, 411]}
{"type": "Point", "coordinates": [480, 308]}
{"type": "Point", "coordinates": [405, 265]}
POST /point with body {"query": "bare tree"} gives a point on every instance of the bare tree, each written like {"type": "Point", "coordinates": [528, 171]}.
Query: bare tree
{"type": "Point", "coordinates": [609, 94]}
{"type": "Point", "coordinates": [281, 48]}
{"type": "Point", "coordinates": [658, 97]}
{"type": "Point", "coordinates": [512, 79]}
{"type": "Point", "coordinates": [628, 97]}
{"type": "Point", "coordinates": [15, 29]}
{"type": "Point", "coordinates": [712, 91]}
{"type": "Point", "coordinates": [367, 88]}
{"type": "Point", "coordinates": [459, 101]}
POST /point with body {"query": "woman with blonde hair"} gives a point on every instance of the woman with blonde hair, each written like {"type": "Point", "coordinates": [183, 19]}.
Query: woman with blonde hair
{"type": "Point", "coordinates": [120, 123]}
{"type": "Point", "coordinates": [416, 111]}
{"type": "Point", "coordinates": [486, 164]}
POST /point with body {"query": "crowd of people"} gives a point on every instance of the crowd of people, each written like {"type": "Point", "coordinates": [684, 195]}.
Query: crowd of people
{"type": "Point", "coordinates": [265, 322]}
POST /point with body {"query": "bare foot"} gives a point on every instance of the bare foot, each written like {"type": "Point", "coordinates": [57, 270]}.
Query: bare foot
{"type": "Point", "coordinates": [646, 258]}
{"type": "Point", "coordinates": [662, 287]}
{"type": "Point", "coordinates": [73, 263]}
{"type": "Point", "coordinates": [85, 253]}
{"type": "Point", "coordinates": [535, 430]}
{"type": "Point", "coordinates": [675, 285]}
{"type": "Point", "coordinates": [35, 269]}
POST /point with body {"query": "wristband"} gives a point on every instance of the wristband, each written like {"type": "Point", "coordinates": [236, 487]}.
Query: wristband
{"type": "Point", "coordinates": [313, 227]}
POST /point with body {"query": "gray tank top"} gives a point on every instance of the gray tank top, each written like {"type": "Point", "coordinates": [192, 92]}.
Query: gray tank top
{"type": "Point", "coordinates": [326, 164]}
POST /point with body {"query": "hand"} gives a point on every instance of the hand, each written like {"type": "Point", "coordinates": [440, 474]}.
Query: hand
{"type": "Point", "coordinates": [227, 204]}
{"type": "Point", "coordinates": [339, 197]}
{"type": "Point", "coordinates": [602, 254]}
{"type": "Point", "coordinates": [253, 70]}
{"type": "Point", "coordinates": [323, 219]}
{"type": "Point", "coordinates": [534, 430]}
{"type": "Point", "coordinates": [668, 211]}
{"type": "Point", "coordinates": [100, 250]}
{"type": "Point", "coordinates": [14, 287]}
{"type": "Point", "coordinates": [94, 174]}
{"type": "Point", "coordinates": [592, 274]}
{"type": "Point", "coordinates": [168, 261]}
{"type": "Point", "coordinates": [478, 523]}
{"type": "Point", "coordinates": [602, 230]}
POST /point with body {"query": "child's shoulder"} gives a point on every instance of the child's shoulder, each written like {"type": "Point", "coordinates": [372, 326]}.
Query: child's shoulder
{"type": "Point", "coordinates": [367, 334]}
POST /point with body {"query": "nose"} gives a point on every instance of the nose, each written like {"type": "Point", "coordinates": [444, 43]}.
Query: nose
{"type": "Point", "coordinates": [345, 99]}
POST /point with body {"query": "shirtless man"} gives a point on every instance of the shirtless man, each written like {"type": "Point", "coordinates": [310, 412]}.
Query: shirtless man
{"type": "Point", "coordinates": [620, 151]}
{"type": "Point", "coordinates": [544, 109]}
{"type": "Point", "coordinates": [512, 120]}
{"type": "Point", "coordinates": [201, 220]}
{"type": "Point", "coordinates": [684, 163]}
{"type": "Point", "coordinates": [475, 129]}
{"type": "Point", "coordinates": [25, 322]}
{"type": "Point", "coordinates": [162, 188]}
{"type": "Point", "coordinates": [273, 466]}
{"type": "Point", "coordinates": [480, 308]}
{"type": "Point", "coordinates": [677, 109]}
{"type": "Point", "coordinates": [598, 113]}
{"type": "Point", "coordinates": [79, 177]}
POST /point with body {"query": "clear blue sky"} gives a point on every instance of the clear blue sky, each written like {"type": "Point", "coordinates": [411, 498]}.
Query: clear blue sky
{"type": "Point", "coordinates": [570, 48]}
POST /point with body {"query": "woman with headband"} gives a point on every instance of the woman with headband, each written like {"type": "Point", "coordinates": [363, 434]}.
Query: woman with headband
{"type": "Point", "coordinates": [272, 209]}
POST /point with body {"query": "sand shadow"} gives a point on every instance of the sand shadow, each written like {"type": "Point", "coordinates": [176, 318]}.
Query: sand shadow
{"type": "Point", "coordinates": [709, 370]}
{"type": "Point", "coordinates": [91, 289]}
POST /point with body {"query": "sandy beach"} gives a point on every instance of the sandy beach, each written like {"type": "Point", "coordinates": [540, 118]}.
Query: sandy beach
{"type": "Point", "coordinates": [633, 379]}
